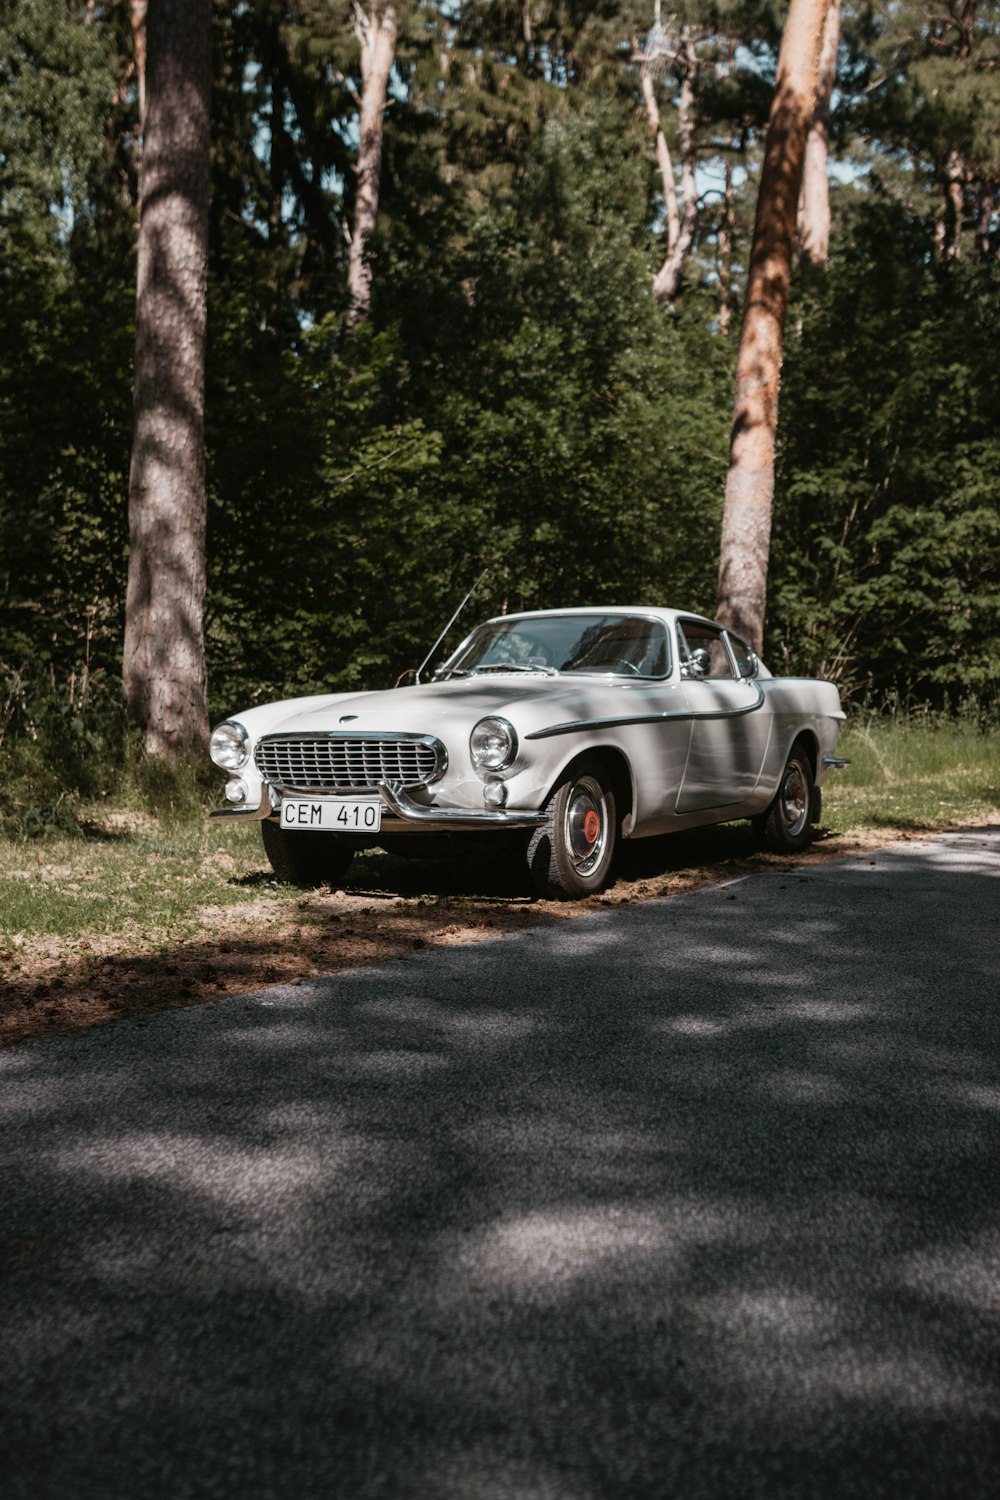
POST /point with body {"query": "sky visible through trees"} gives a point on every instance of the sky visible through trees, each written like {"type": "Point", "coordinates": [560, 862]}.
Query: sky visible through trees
{"type": "Point", "coordinates": [510, 393]}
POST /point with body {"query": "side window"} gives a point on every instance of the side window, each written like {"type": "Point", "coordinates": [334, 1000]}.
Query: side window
{"type": "Point", "coordinates": [702, 650]}
{"type": "Point", "coordinates": [746, 662]}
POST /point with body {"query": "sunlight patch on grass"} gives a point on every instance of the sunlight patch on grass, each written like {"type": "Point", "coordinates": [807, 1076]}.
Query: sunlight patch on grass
{"type": "Point", "coordinates": [139, 879]}
{"type": "Point", "coordinates": [914, 773]}
{"type": "Point", "coordinates": [113, 882]}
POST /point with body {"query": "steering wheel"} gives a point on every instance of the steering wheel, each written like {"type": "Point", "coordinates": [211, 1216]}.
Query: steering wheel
{"type": "Point", "coordinates": [629, 666]}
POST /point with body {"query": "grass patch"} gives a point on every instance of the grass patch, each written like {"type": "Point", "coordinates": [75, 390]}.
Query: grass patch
{"type": "Point", "coordinates": [148, 905]}
{"type": "Point", "coordinates": [914, 774]}
{"type": "Point", "coordinates": [151, 864]}
{"type": "Point", "coordinates": [126, 874]}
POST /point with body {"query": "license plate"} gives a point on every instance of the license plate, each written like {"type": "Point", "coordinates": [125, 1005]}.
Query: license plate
{"type": "Point", "coordinates": [333, 816]}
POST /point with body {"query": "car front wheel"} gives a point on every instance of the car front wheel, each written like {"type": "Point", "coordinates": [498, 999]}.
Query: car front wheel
{"type": "Point", "coordinates": [306, 858]}
{"type": "Point", "coordinates": [570, 855]}
{"type": "Point", "coordinates": [786, 826]}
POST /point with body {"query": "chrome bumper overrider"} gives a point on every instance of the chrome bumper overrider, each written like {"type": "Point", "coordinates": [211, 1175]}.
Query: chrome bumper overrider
{"type": "Point", "coordinates": [451, 820]}
{"type": "Point", "coordinates": [269, 804]}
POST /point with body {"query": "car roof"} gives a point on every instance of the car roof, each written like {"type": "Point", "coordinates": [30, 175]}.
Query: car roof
{"type": "Point", "coordinates": [656, 611]}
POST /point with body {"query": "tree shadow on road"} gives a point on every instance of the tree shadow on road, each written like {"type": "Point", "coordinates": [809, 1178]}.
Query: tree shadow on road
{"type": "Point", "coordinates": [699, 1201]}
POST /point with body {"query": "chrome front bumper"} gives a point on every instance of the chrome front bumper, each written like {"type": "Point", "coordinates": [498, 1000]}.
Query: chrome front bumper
{"type": "Point", "coordinates": [456, 820]}
{"type": "Point", "coordinates": [270, 802]}
{"type": "Point", "coordinates": [401, 806]}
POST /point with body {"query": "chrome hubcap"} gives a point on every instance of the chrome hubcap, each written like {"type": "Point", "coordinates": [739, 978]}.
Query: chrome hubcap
{"type": "Point", "coordinates": [794, 799]}
{"type": "Point", "coordinates": [586, 825]}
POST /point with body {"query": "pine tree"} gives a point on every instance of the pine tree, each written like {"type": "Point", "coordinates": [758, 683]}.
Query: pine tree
{"type": "Point", "coordinates": [746, 523]}
{"type": "Point", "coordinates": [935, 94]}
{"type": "Point", "coordinates": [164, 665]}
{"type": "Point", "coordinates": [376, 33]}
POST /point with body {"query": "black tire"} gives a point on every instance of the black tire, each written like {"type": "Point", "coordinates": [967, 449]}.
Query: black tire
{"type": "Point", "coordinates": [786, 826]}
{"type": "Point", "coordinates": [571, 854]}
{"type": "Point", "coordinates": [306, 858]}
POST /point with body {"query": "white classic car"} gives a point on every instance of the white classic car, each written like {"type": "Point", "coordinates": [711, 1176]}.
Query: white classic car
{"type": "Point", "coordinates": [573, 728]}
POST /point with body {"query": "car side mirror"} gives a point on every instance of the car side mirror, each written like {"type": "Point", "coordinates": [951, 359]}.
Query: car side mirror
{"type": "Point", "coordinates": [753, 664]}
{"type": "Point", "coordinates": [698, 664]}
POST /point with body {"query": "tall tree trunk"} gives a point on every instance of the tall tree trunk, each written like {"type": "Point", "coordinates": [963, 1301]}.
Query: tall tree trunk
{"type": "Point", "coordinates": [164, 663]}
{"type": "Point", "coordinates": [667, 284]}
{"type": "Point", "coordinates": [746, 523]}
{"type": "Point", "coordinates": [137, 19]}
{"type": "Point", "coordinates": [724, 239]}
{"type": "Point", "coordinates": [725, 243]}
{"type": "Point", "coordinates": [276, 160]}
{"type": "Point", "coordinates": [953, 183]}
{"type": "Point", "coordinates": [663, 161]}
{"type": "Point", "coordinates": [377, 35]}
{"type": "Point", "coordinates": [987, 208]}
{"type": "Point", "coordinates": [814, 204]}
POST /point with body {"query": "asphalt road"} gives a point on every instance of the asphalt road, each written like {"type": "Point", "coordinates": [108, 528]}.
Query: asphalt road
{"type": "Point", "coordinates": [699, 1198]}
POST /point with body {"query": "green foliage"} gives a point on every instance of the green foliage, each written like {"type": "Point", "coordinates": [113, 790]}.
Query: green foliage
{"type": "Point", "coordinates": [56, 87]}
{"type": "Point", "coordinates": [59, 743]}
{"type": "Point", "coordinates": [64, 439]}
{"type": "Point", "coordinates": [937, 89]}
{"type": "Point", "coordinates": [65, 406]}
{"type": "Point", "coordinates": [591, 424]}
{"type": "Point", "coordinates": [326, 586]}
{"type": "Point", "coordinates": [886, 553]}
{"type": "Point", "coordinates": [542, 420]}
{"type": "Point", "coordinates": [517, 402]}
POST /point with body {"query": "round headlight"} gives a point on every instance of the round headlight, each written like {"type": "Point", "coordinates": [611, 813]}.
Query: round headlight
{"type": "Point", "coordinates": [492, 744]}
{"type": "Point", "coordinates": [228, 746]}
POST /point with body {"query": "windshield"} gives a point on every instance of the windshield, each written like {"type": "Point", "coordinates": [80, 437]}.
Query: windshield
{"type": "Point", "coordinates": [624, 645]}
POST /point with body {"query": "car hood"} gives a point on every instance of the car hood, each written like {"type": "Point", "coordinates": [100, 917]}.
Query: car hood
{"type": "Point", "coordinates": [531, 703]}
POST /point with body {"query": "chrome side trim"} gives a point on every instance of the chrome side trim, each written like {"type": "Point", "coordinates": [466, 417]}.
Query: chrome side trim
{"type": "Point", "coordinates": [835, 762]}
{"type": "Point", "coordinates": [688, 713]}
{"type": "Point", "coordinates": [452, 819]}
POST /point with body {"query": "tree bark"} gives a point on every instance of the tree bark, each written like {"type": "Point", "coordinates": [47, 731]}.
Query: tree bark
{"type": "Point", "coordinates": [377, 34]}
{"type": "Point", "coordinates": [164, 659]}
{"type": "Point", "coordinates": [663, 161]}
{"type": "Point", "coordinates": [137, 19]}
{"type": "Point", "coordinates": [814, 204]}
{"type": "Point", "coordinates": [725, 242]}
{"type": "Point", "coordinates": [953, 182]}
{"type": "Point", "coordinates": [276, 161]}
{"type": "Point", "coordinates": [746, 524]}
{"type": "Point", "coordinates": [667, 284]}
{"type": "Point", "coordinates": [987, 208]}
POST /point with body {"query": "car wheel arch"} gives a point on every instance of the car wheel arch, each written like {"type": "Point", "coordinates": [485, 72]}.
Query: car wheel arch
{"type": "Point", "coordinates": [571, 855]}
{"type": "Point", "coordinates": [785, 825]}
{"type": "Point", "coordinates": [619, 769]}
{"type": "Point", "coordinates": [810, 744]}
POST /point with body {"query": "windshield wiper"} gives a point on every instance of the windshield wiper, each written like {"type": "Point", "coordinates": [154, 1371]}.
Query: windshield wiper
{"type": "Point", "coordinates": [515, 666]}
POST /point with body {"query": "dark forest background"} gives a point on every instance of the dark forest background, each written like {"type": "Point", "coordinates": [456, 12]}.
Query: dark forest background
{"type": "Point", "coordinates": [517, 400]}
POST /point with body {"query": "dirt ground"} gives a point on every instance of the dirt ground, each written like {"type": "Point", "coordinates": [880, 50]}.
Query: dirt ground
{"type": "Point", "coordinates": [390, 910]}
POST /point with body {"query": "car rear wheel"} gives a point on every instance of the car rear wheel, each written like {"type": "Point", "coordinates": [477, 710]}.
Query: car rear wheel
{"type": "Point", "coordinates": [570, 855]}
{"type": "Point", "coordinates": [306, 858]}
{"type": "Point", "coordinates": [786, 826]}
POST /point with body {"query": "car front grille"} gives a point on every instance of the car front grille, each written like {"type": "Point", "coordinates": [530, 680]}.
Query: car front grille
{"type": "Point", "coordinates": [348, 762]}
